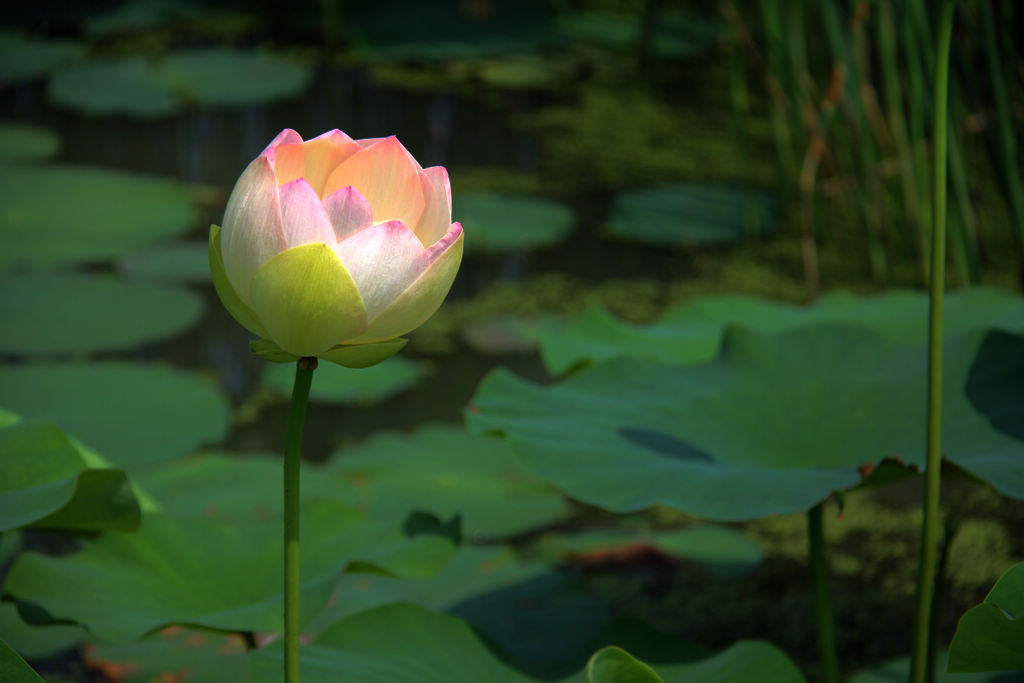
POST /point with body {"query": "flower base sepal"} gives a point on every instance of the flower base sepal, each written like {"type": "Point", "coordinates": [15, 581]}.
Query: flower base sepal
{"type": "Point", "coordinates": [268, 350]}
{"type": "Point", "coordinates": [363, 355]}
{"type": "Point", "coordinates": [349, 356]}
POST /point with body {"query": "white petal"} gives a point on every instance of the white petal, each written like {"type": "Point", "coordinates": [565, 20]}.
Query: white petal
{"type": "Point", "coordinates": [348, 211]}
{"type": "Point", "coordinates": [303, 216]}
{"type": "Point", "coordinates": [383, 261]}
{"type": "Point", "coordinates": [437, 210]}
{"type": "Point", "coordinates": [252, 231]}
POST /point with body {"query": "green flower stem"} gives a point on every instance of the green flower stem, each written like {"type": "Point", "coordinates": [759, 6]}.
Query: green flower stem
{"type": "Point", "coordinates": [923, 633]}
{"type": "Point", "coordinates": [304, 368]}
{"type": "Point", "coordinates": [822, 603]}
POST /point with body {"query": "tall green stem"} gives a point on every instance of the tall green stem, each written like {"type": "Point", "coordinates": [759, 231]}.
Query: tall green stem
{"type": "Point", "coordinates": [930, 526]}
{"type": "Point", "coordinates": [822, 603]}
{"type": "Point", "coordinates": [292, 460]}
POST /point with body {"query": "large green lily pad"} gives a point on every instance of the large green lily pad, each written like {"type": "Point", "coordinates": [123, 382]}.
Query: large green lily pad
{"type": "Point", "coordinates": [772, 425]}
{"type": "Point", "coordinates": [136, 86]}
{"type": "Point", "coordinates": [473, 571]}
{"type": "Point", "coordinates": [113, 86]}
{"type": "Point", "coordinates": [213, 574]}
{"type": "Point", "coordinates": [173, 262]}
{"type": "Point", "coordinates": [36, 642]}
{"type": "Point", "coordinates": [20, 142]}
{"type": "Point", "coordinates": [23, 58]}
{"type": "Point", "coordinates": [51, 313]}
{"type": "Point", "coordinates": [898, 671]}
{"type": "Point", "coordinates": [335, 384]}
{"type": "Point", "coordinates": [174, 654]}
{"type": "Point", "coordinates": [227, 77]}
{"type": "Point", "coordinates": [396, 643]}
{"type": "Point", "coordinates": [445, 470]}
{"type": "Point", "coordinates": [747, 660]}
{"type": "Point", "coordinates": [44, 481]}
{"type": "Point", "coordinates": [230, 487]}
{"type": "Point", "coordinates": [136, 415]}
{"type": "Point", "coordinates": [692, 332]}
{"type": "Point", "coordinates": [14, 669]}
{"type": "Point", "coordinates": [989, 636]}
{"type": "Point", "coordinates": [512, 222]}
{"type": "Point", "coordinates": [689, 215]}
{"type": "Point", "coordinates": [64, 214]}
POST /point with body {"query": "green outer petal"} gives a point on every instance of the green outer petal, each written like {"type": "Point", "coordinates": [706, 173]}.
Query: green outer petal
{"type": "Point", "coordinates": [416, 304]}
{"type": "Point", "coordinates": [236, 307]}
{"type": "Point", "coordinates": [363, 355]}
{"type": "Point", "coordinates": [268, 350]}
{"type": "Point", "coordinates": [307, 300]}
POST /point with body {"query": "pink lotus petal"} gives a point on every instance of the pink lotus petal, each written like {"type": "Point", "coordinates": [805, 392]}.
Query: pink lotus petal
{"type": "Point", "coordinates": [285, 136]}
{"type": "Point", "coordinates": [423, 297]}
{"type": "Point", "coordinates": [336, 136]}
{"type": "Point", "coordinates": [348, 211]}
{"type": "Point", "coordinates": [288, 162]}
{"type": "Point", "coordinates": [384, 174]}
{"type": "Point", "coordinates": [437, 211]}
{"type": "Point", "coordinates": [445, 243]}
{"type": "Point", "coordinates": [324, 154]}
{"type": "Point", "coordinates": [369, 142]}
{"type": "Point", "coordinates": [383, 260]}
{"type": "Point", "coordinates": [302, 215]}
{"type": "Point", "coordinates": [252, 230]}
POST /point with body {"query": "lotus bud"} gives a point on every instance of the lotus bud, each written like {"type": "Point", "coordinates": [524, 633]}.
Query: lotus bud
{"type": "Point", "coordinates": [334, 248]}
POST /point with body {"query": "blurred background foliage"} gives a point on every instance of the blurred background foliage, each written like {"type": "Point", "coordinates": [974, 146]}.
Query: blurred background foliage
{"type": "Point", "coordinates": [632, 154]}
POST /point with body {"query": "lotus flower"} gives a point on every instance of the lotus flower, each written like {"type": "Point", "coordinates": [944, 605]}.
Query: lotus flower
{"type": "Point", "coordinates": [334, 247]}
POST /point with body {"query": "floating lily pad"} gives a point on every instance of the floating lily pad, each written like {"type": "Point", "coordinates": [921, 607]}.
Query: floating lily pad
{"type": "Point", "coordinates": [226, 77]}
{"type": "Point", "coordinates": [61, 214]}
{"type": "Point", "coordinates": [229, 487]}
{"type": "Point", "coordinates": [173, 654]}
{"type": "Point", "coordinates": [692, 332]}
{"type": "Point", "coordinates": [772, 425]}
{"type": "Point", "coordinates": [21, 142]}
{"type": "Point", "coordinates": [724, 552]}
{"type": "Point", "coordinates": [157, 87]}
{"type": "Point", "coordinates": [447, 471]}
{"type": "Point", "coordinates": [395, 643]}
{"type": "Point", "coordinates": [512, 222]}
{"type": "Point", "coordinates": [46, 482]}
{"type": "Point", "coordinates": [129, 86]}
{"type": "Point", "coordinates": [135, 415]}
{"type": "Point", "coordinates": [14, 669]}
{"type": "Point", "coordinates": [474, 570]}
{"type": "Point", "coordinates": [23, 58]}
{"type": "Point", "coordinates": [137, 16]}
{"type": "Point", "coordinates": [36, 642]}
{"type": "Point", "coordinates": [208, 573]}
{"type": "Point", "coordinates": [173, 262]}
{"type": "Point", "coordinates": [747, 660]}
{"type": "Point", "coordinates": [50, 313]}
{"type": "Point", "coordinates": [689, 215]}
{"type": "Point", "coordinates": [989, 636]}
{"type": "Point", "coordinates": [677, 35]}
{"type": "Point", "coordinates": [898, 671]}
{"type": "Point", "coordinates": [335, 384]}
